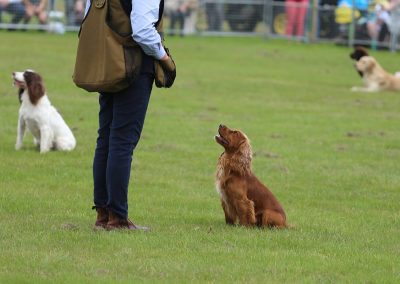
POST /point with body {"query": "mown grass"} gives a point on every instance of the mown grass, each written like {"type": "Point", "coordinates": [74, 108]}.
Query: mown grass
{"type": "Point", "coordinates": [330, 156]}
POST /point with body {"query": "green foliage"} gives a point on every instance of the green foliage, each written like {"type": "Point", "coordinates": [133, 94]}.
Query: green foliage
{"type": "Point", "coordinates": [330, 156]}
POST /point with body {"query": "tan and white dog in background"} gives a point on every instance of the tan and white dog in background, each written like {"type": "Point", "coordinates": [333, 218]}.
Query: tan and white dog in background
{"type": "Point", "coordinates": [38, 115]}
{"type": "Point", "coordinates": [375, 77]}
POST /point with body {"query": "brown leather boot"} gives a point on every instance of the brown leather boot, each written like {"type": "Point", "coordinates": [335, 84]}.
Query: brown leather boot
{"type": "Point", "coordinates": [115, 222]}
{"type": "Point", "coordinates": [102, 217]}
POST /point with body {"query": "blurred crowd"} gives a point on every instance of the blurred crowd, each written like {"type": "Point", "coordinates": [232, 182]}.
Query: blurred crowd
{"type": "Point", "coordinates": [374, 20]}
{"type": "Point", "coordinates": [22, 11]}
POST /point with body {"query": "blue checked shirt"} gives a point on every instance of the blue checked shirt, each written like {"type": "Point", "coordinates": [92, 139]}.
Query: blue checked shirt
{"type": "Point", "coordinates": [144, 15]}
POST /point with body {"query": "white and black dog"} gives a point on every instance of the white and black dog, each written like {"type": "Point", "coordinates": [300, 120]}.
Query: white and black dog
{"type": "Point", "coordinates": [38, 115]}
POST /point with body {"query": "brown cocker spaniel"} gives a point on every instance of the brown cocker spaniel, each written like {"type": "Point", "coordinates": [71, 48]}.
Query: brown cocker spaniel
{"type": "Point", "coordinates": [243, 196]}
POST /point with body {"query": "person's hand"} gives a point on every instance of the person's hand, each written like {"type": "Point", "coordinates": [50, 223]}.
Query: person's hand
{"type": "Point", "coordinates": [168, 63]}
{"type": "Point", "coordinates": [29, 10]}
{"type": "Point", "coordinates": [164, 58]}
{"type": "Point", "coordinates": [79, 7]}
{"type": "Point", "coordinates": [182, 9]}
{"type": "Point", "coordinates": [185, 7]}
{"type": "Point", "coordinates": [39, 9]}
{"type": "Point", "coordinates": [169, 68]}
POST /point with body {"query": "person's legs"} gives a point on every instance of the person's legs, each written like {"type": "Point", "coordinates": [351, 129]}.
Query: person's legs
{"type": "Point", "coordinates": [129, 110]}
{"type": "Point", "coordinates": [301, 12]}
{"type": "Point", "coordinates": [42, 17]}
{"type": "Point", "coordinates": [181, 23]}
{"type": "Point", "coordinates": [173, 19]}
{"type": "Point", "coordinates": [69, 12]}
{"type": "Point", "coordinates": [18, 10]}
{"type": "Point", "coordinates": [190, 23]}
{"type": "Point", "coordinates": [101, 153]}
{"type": "Point", "coordinates": [213, 17]}
{"type": "Point", "coordinates": [290, 9]}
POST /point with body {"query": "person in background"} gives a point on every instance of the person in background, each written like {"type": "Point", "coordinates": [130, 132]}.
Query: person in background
{"type": "Point", "coordinates": [393, 7]}
{"type": "Point", "coordinates": [74, 12]}
{"type": "Point", "coordinates": [377, 18]}
{"type": "Point", "coordinates": [191, 20]}
{"type": "Point", "coordinates": [178, 10]}
{"type": "Point", "coordinates": [296, 11]}
{"type": "Point", "coordinates": [344, 16]}
{"type": "Point", "coordinates": [14, 7]}
{"type": "Point", "coordinates": [36, 8]}
{"type": "Point", "coordinates": [214, 16]}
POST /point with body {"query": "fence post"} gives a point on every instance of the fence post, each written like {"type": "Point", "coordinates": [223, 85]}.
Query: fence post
{"type": "Point", "coordinates": [267, 9]}
{"type": "Point", "coordinates": [352, 24]}
{"type": "Point", "coordinates": [393, 42]}
{"type": "Point", "coordinates": [314, 22]}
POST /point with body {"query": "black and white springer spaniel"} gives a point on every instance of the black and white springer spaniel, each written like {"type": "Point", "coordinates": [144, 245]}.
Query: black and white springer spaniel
{"type": "Point", "coordinates": [38, 115]}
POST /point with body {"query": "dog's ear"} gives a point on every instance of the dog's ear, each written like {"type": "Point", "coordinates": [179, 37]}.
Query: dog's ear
{"type": "Point", "coordinates": [358, 53]}
{"type": "Point", "coordinates": [246, 152]}
{"type": "Point", "coordinates": [353, 55]}
{"type": "Point", "coordinates": [35, 86]}
{"type": "Point", "coordinates": [361, 51]}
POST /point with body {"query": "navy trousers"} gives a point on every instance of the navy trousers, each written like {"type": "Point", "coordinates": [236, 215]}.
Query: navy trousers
{"type": "Point", "coordinates": [121, 119]}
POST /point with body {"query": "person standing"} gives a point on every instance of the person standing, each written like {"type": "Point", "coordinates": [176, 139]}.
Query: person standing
{"type": "Point", "coordinates": [296, 11]}
{"type": "Point", "coordinates": [178, 11]}
{"type": "Point", "coordinates": [74, 12]}
{"type": "Point", "coordinates": [214, 11]}
{"type": "Point", "coordinates": [122, 113]}
{"type": "Point", "coordinates": [394, 22]}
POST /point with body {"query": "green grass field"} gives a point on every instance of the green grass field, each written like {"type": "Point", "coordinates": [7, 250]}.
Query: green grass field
{"type": "Point", "coordinates": [332, 157]}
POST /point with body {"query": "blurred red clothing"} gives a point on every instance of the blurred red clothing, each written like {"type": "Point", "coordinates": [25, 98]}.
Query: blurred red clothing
{"type": "Point", "coordinates": [296, 11]}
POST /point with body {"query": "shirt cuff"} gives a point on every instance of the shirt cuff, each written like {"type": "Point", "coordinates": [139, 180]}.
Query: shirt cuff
{"type": "Point", "coordinates": [161, 52]}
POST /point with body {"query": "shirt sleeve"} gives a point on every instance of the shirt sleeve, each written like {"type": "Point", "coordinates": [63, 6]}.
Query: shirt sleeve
{"type": "Point", "coordinates": [144, 16]}
{"type": "Point", "coordinates": [87, 7]}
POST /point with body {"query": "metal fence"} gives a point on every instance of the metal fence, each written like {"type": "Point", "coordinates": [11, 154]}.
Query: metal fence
{"type": "Point", "coordinates": [301, 20]}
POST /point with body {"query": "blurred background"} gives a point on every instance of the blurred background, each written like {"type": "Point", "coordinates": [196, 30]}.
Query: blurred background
{"type": "Point", "coordinates": [346, 22]}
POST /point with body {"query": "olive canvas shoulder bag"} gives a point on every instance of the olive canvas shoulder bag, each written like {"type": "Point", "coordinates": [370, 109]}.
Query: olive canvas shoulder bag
{"type": "Point", "coordinates": [107, 59]}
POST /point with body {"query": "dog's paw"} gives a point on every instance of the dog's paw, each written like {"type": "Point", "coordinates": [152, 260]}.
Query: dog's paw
{"type": "Point", "coordinates": [354, 89]}
{"type": "Point", "coordinates": [18, 146]}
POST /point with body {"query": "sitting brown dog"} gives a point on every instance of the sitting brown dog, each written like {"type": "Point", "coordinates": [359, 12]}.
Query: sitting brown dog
{"type": "Point", "coordinates": [243, 196]}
